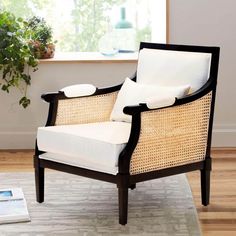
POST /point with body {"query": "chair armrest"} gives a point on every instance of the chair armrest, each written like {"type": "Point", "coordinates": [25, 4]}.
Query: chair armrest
{"type": "Point", "coordinates": [87, 108]}
{"type": "Point", "coordinates": [155, 102]}
{"type": "Point", "coordinates": [209, 86]}
{"type": "Point", "coordinates": [79, 90]}
{"type": "Point", "coordinates": [169, 136]}
{"type": "Point", "coordinates": [54, 96]}
{"type": "Point", "coordinates": [80, 110]}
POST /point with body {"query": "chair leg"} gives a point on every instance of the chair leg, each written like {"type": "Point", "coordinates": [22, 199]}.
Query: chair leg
{"type": "Point", "coordinates": [132, 186]}
{"type": "Point", "coordinates": [39, 183]}
{"type": "Point", "coordinates": [123, 205]}
{"type": "Point", "coordinates": [205, 186]}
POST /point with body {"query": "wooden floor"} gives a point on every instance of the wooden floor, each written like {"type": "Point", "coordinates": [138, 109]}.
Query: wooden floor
{"type": "Point", "coordinates": [218, 219]}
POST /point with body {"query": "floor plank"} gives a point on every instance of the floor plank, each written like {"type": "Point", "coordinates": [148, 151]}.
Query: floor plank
{"type": "Point", "coordinates": [219, 218]}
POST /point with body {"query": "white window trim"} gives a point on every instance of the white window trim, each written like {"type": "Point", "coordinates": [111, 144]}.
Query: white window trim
{"type": "Point", "coordinates": [91, 57]}
{"type": "Point", "coordinates": [159, 21]}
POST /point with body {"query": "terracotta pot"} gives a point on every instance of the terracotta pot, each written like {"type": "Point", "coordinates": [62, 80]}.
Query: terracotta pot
{"type": "Point", "coordinates": [48, 52]}
{"type": "Point", "coordinates": [43, 52]}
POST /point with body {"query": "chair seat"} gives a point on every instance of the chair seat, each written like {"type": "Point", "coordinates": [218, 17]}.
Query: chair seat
{"type": "Point", "coordinates": [94, 146]}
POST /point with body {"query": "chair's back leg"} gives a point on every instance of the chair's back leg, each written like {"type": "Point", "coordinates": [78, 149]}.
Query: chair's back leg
{"type": "Point", "coordinates": [205, 182]}
{"type": "Point", "coordinates": [39, 181]}
{"type": "Point", "coordinates": [132, 186]}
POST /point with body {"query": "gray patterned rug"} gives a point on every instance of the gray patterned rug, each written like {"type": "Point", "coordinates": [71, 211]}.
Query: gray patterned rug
{"type": "Point", "coordinates": [79, 206]}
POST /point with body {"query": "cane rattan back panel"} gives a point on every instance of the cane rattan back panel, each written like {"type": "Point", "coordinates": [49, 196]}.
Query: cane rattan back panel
{"type": "Point", "coordinates": [172, 136]}
{"type": "Point", "coordinates": [85, 109]}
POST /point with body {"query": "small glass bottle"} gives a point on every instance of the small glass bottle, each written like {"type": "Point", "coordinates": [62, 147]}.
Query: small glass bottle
{"type": "Point", "coordinates": [124, 34]}
{"type": "Point", "coordinates": [106, 43]}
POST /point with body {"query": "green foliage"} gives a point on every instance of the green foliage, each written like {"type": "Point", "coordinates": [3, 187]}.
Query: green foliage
{"type": "Point", "coordinates": [39, 30]}
{"type": "Point", "coordinates": [89, 23]}
{"type": "Point", "coordinates": [40, 37]}
{"type": "Point", "coordinates": [143, 35]}
{"type": "Point", "coordinates": [15, 55]}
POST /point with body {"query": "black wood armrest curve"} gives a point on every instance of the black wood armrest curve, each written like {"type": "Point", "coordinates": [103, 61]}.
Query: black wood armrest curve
{"type": "Point", "coordinates": [50, 97]}
{"type": "Point", "coordinates": [209, 86]}
{"type": "Point", "coordinates": [135, 111]}
{"type": "Point", "coordinates": [53, 98]}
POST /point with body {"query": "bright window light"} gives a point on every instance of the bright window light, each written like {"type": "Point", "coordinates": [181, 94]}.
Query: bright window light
{"type": "Point", "coordinates": [79, 25]}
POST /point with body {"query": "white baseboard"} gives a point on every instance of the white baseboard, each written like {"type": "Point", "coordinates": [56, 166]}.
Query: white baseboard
{"type": "Point", "coordinates": [223, 136]}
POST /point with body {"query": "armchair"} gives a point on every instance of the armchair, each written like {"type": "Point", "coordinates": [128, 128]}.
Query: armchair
{"type": "Point", "coordinates": [81, 138]}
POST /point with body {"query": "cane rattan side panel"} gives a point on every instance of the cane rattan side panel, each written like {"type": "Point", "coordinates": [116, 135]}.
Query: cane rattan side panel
{"type": "Point", "coordinates": [172, 136]}
{"type": "Point", "coordinates": [85, 109]}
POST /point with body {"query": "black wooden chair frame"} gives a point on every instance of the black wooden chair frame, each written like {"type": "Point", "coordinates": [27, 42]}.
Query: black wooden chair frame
{"type": "Point", "coordinates": [124, 180]}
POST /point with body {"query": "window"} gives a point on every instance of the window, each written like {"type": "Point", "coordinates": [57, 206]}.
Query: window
{"type": "Point", "coordinates": [79, 25]}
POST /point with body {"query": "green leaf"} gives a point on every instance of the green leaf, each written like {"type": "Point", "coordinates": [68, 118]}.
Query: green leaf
{"type": "Point", "coordinates": [27, 79]}
{"type": "Point", "coordinates": [24, 101]}
{"type": "Point", "coordinates": [20, 19]}
{"type": "Point", "coordinates": [5, 88]}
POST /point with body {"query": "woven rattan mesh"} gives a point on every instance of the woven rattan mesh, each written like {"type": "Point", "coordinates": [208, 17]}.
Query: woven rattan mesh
{"type": "Point", "coordinates": [173, 136]}
{"type": "Point", "coordinates": [85, 109]}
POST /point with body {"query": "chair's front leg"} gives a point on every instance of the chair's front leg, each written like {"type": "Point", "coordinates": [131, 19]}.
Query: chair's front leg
{"type": "Point", "coordinates": [123, 189]}
{"type": "Point", "coordinates": [123, 205]}
{"type": "Point", "coordinates": [39, 181]}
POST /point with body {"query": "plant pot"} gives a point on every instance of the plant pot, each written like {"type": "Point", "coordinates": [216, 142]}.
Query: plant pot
{"type": "Point", "coordinates": [43, 51]}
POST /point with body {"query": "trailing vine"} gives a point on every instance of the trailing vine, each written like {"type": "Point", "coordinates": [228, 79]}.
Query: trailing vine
{"type": "Point", "coordinates": [22, 42]}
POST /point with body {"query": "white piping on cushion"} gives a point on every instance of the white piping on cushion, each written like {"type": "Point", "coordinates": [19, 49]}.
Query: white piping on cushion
{"type": "Point", "coordinates": [79, 90]}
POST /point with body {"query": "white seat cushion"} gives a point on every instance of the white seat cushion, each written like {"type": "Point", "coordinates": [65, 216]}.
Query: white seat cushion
{"type": "Point", "coordinates": [173, 68]}
{"type": "Point", "coordinates": [94, 146]}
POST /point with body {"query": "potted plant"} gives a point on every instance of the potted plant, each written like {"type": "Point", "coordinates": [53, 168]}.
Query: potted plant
{"type": "Point", "coordinates": [41, 39]}
{"type": "Point", "coordinates": [22, 42]}
{"type": "Point", "coordinates": [16, 56]}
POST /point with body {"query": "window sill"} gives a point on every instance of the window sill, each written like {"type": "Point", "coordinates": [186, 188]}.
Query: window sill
{"type": "Point", "coordinates": [91, 57]}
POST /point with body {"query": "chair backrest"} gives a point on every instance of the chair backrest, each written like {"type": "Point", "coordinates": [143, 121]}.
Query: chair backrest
{"type": "Point", "coordinates": [174, 65]}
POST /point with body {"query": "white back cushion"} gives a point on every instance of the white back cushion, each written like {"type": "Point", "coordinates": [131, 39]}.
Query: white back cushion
{"type": "Point", "coordinates": [173, 68]}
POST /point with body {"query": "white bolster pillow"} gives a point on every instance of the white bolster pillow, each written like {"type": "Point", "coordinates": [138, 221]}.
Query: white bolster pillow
{"type": "Point", "coordinates": [157, 102]}
{"type": "Point", "coordinates": [79, 90]}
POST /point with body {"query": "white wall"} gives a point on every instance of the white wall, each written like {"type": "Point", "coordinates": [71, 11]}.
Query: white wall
{"type": "Point", "coordinates": [212, 22]}
{"type": "Point", "coordinates": [18, 126]}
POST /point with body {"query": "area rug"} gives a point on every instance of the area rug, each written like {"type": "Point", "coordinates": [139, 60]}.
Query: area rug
{"type": "Point", "coordinates": [80, 206]}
